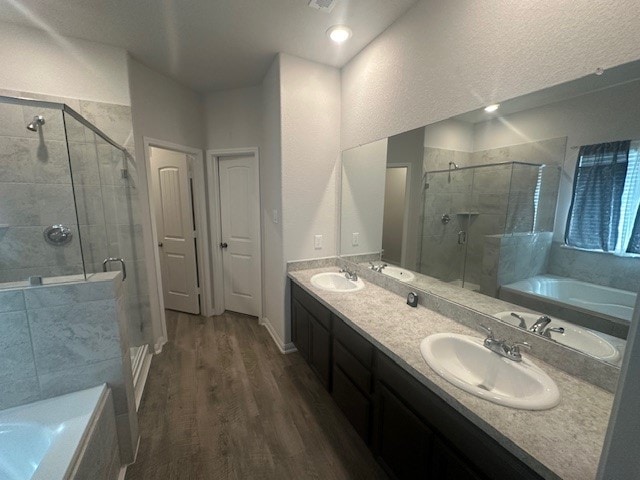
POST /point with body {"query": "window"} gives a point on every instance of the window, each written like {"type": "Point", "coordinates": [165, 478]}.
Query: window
{"type": "Point", "coordinates": [604, 214]}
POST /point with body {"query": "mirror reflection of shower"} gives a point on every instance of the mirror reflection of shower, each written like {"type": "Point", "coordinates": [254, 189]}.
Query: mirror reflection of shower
{"type": "Point", "coordinates": [35, 124]}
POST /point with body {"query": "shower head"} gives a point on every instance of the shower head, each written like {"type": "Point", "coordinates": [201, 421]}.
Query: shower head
{"type": "Point", "coordinates": [35, 123]}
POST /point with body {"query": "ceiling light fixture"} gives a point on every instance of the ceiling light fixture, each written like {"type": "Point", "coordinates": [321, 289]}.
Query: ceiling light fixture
{"type": "Point", "coordinates": [492, 108]}
{"type": "Point", "coordinates": [339, 33]}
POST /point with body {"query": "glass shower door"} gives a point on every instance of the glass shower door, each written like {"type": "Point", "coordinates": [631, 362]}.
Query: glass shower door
{"type": "Point", "coordinates": [445, 216]}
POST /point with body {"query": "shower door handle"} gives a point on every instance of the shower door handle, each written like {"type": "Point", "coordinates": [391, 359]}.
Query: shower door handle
{"type": "Point", "coordinates": [462, 237]}
{"type": "Point", "coordinates": [113, 259]}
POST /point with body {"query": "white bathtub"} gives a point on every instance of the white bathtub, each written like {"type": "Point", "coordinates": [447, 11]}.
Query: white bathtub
{"type": "Point", "coordinates": [42, 440]}
{"type": "Point", "coordinates": [597, 298]}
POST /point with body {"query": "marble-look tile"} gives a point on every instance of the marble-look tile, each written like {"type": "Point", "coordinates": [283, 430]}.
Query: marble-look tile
{"type": "Point", "coordinates": [89, 202]}
{"type": "Point", "coordinates": [137, 283]}
{"type": "Point", "coordinates": [113, 120]}
{"type": "Point", "coordinates": [80, 377]}
{"type": "Point", "coordinates": [66, 294]}
{"type": "Point", "coordinates": [16, 354]}
{"type": "Point", "coordinates": [74, 335]}
{"type": "Point", "coordinates": [126, 241]}
{"type": "Point", "coordinates": [35, 204]}
{"type": "Point", "coordinates": [12, 121]}
{"type": "Point", "coordinates": [19, 392]}
{"type": "Point", "coordinates": [84, 164]}
{"type": "Point", "coordinates": [11, 301]}
{"type": "Point", "coordinates": [94, 243]}
{"type": "Point", "coordinates": [25, 247]}
{"type": "Point", "coordinates": [28, 160]}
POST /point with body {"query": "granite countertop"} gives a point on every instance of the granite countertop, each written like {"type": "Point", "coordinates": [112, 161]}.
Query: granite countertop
{"type": "Point", "coordinates": [564, 442]}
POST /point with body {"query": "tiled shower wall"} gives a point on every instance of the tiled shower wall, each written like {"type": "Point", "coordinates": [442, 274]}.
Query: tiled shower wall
{"type": "Point", "coordinates": [41, 194]}
{"type": "Point", "coordinates": [499, 199]}
{"type": "Point", "coordinates": [512, 257]}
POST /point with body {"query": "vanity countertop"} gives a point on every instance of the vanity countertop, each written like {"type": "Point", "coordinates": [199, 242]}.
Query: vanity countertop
{"type": "Point", "coordinates": [564, 442]}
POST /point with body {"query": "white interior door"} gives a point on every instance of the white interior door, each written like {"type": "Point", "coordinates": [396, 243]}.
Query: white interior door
{"type": "Point", "coordinates": [240, 221]}
{"type": "Point", "coordinates": [176, 230]}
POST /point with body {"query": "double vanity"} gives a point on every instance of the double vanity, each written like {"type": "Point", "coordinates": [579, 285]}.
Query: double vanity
{"type": "Point", "coordinates": [434, 398]}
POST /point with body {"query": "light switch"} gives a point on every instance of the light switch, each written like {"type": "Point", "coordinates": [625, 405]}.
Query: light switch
{"type": "Point", "coordinates": [317, 242]}
{"type": "Point", "coordinates": [275, 215]}
{"type": "Point", "coordinates": [355, 239]}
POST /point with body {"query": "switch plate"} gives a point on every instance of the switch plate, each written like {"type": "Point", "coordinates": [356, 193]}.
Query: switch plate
{"type": "Point", "coordinates": [355, 239]}
{"type": "Point", "coordinates": [275, 215]}
{"type": "Point", "coordinates": [317, 242]}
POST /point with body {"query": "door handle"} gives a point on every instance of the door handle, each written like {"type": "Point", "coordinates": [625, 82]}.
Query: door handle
{"type": "Point", "coordinates": [112, 259]}
{"type": "Point", "coordinates": [223, 245]}
{"type": "Point", "coordinates": [160, 244]}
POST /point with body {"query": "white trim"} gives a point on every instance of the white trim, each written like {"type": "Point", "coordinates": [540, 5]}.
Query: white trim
{"type": "Point", "coordinates": [215, 223]}
{"type": "Point", "coordinates": [284, 348]}
{"type": "Point", "coordinates": [200, 201]}
{"type": "Point", "coordinates": [140, 369]}
{"type": "Point", "coordinates": [123, 472]}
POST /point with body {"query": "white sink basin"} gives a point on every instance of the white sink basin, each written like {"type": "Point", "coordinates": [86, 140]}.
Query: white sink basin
{"type": "Point", "coordinates": [336, 282]}
{"type": "Point", "coordinates": [398, 273]}
{"type": "Point", "coordinates": [465, 362]}
{"type": "Point", "coordinates": [575, 337]}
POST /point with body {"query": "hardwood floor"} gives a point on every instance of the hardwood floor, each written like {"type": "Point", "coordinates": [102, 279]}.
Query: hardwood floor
{"type": "Point", "coordinates": [222, 402]}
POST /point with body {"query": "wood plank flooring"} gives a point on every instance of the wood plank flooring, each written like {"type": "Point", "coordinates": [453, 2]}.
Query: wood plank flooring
{"type": "Point", "coordinates": [222, 402]}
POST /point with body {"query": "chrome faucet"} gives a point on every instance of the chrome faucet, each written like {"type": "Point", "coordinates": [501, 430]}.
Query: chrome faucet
{"type": "Point", "coordinates": [350, 275]}
{"type": "Point", "coordinates": [540, 324]}
{"type": "Point", "coordinates": [523, 324]}
{"type": "Point", "coordinates": [548, 331]}
{"type": "Point", "coordinates": [379, 267]}
{"type": "Point", "coordinates": [512, 352]}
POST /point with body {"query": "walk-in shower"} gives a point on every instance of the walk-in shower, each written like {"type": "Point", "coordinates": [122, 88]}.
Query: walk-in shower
{"type": "Point", "coordinates": [68, 201]}
{"type": "Point", "coordinates": [465, 209]}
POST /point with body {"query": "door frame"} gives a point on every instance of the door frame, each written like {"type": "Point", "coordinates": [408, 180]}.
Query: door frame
{"type": "Point", "coordinates": [407, 201]}
{"type": "Point", "coordinates": [215, 222]}
{"type": "Point", "coordinates": [200, 214]}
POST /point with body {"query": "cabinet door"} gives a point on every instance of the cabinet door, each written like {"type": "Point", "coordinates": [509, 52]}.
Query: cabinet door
{"type": "Point", "coordinates": [402, 442]}
{"type": "Point", "coordinates": [355, 406]}
{"type": "Point", "coordinates": [300, 329]}
{"type": "Point", "coordinates": [320, 351]}
{"type": "Point", "coordinates": [449, 465]}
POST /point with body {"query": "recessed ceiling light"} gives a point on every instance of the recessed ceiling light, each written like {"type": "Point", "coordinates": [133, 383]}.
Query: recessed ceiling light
{"type": "Point", "coordinates": [492, 108]}
{"type": "Point", "coordinates": [339, 33]}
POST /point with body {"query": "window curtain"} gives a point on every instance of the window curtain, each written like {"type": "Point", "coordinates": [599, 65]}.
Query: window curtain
{"type": "Point", "coordinates": [599, 182]}
{"type": "Point", "coordinates": [629, 230]}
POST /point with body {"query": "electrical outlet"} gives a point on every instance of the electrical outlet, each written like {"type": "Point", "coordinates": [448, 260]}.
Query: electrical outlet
{"type": "Point", "coordinates": [275, 215]}
{"type": "Point", "coordinates": [317, 242]}
{"type": "Point", "coordinates": [355, 239]}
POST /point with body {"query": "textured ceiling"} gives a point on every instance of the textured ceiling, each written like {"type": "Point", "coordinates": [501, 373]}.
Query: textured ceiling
{"type": "Point", "coordinates": [211, 44]}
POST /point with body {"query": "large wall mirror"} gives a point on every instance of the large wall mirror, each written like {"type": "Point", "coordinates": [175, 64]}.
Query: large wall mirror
{"type": "Point", "coordinates": [532, 203]}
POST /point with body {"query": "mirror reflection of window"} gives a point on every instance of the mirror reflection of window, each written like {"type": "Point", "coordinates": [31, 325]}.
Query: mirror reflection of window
{"type": "Point", "coordinates": [604, 213]}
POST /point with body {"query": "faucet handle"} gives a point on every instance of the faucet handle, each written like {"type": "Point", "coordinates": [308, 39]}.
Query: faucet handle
{"type": "Point", "coordinates": [547, 332]}
{"type": "Point", "coordinates": [523, 323]}
{"type": "Point", "coordinates": [515, 348]}
{"type": "Point", "coordinates": [489, 331]}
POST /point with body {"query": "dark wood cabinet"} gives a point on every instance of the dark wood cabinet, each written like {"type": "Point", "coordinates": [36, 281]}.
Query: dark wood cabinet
{"type": "Point", "coordinates": [311, 332]}
{"type": "Point", "coordinates": [413, 432]}
{"type": "Point", "coordinates": [353, 377]}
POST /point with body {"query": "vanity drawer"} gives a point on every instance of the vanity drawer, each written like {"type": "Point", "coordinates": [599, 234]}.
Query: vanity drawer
{"type": "Point", "coordinates": [314, 307]}
{"type": "Point", "coordinates": [354, 343]}
{"type": "Point", "coordinates": [352, 368]}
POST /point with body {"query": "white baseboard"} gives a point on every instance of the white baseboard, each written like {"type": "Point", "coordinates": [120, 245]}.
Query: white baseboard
{"type": "Point", "coordinates": [283, 347]}
{"type": "Point", "coordinates": [123, 473]}
{"type": "Point", "coordinates": [140, 374]}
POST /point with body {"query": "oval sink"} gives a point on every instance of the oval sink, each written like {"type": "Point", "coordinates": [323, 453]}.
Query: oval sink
{"type": "Point", "coordinates": [574, 336]}
{"type": "Point", "coordinates": [398, 273]}
{"type": "Point", "coordinates": [464, 361]}
{"type": "Point", "coordinates": [336, 282]}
